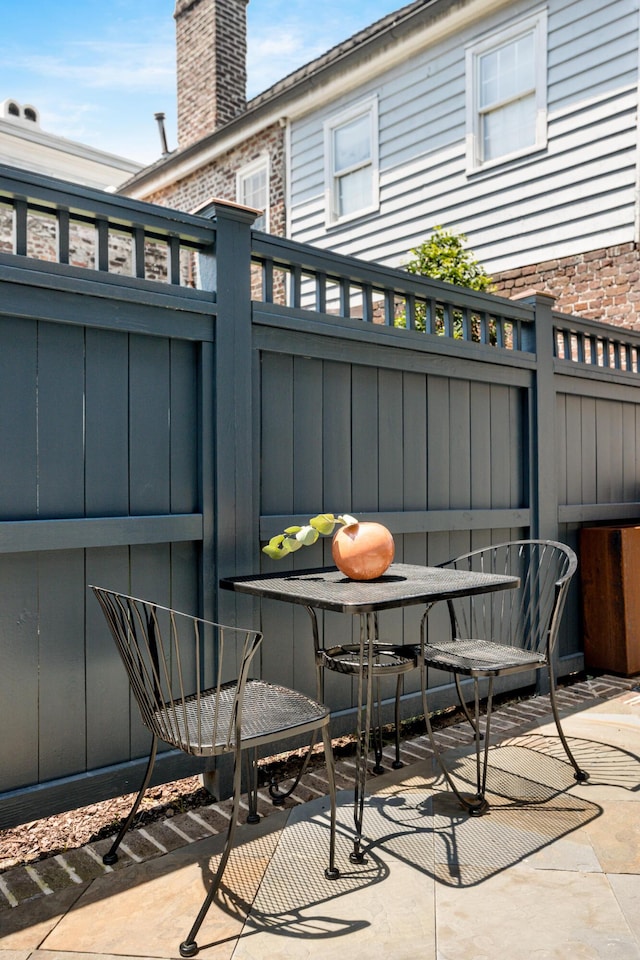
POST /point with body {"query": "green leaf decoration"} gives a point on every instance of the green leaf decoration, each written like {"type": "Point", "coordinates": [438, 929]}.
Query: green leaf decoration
{"type": "Point", "coordinates": [295, 537]}
{"type": "Point", "coordinates": [277, 547]}
{"type": "Point", "coordinates": [306, 536]}
{"type": "Point", "coordinates": [347, 519]}
{"type": "Point", "coordinates": [323, 523]}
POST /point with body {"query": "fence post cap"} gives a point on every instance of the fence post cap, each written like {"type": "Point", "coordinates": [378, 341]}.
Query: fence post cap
{"type": "Point", "coordinates": [215, 208]}
{"type": "Point", "coordinates": [532, 294]}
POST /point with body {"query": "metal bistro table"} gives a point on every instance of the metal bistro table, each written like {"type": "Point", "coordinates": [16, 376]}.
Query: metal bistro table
{"type": "Point", "coordinates": [328, 589]}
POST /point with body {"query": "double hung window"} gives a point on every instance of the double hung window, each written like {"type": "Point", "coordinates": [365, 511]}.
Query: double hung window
{"type": "Point", "coordinates": [351, 162]}
{"type": "Point", "coordinates": [506, 90]}
{"type": "Point", "coordinates": [252, 190]}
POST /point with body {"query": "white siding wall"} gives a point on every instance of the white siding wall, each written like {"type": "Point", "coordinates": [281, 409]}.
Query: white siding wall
{"type": "Point", "coordinates": [576, 195]}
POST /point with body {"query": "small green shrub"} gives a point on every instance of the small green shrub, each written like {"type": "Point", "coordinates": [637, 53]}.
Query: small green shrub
{"type": "Point", "coordinates": [444, 257]}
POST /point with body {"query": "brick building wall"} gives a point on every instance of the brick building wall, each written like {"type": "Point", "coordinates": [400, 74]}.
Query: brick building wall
{"type": "Point", "coordinates": [211, 54]}
{"type": "Point", "coordinates": [218, 179]}
{"type": "Point", "coordinates": [599, 285]}
{"type": "Point", "coordinates": [42, 244]}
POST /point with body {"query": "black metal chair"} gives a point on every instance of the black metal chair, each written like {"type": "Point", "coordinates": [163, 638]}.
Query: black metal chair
{"type": "Point", "coordinates": [190, 678]}
{"type": "Point", "coordinates": [495, 634]}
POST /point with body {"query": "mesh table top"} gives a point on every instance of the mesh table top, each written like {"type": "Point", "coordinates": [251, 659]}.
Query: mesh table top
{"type": "Point", "coordinates": [403, 584]}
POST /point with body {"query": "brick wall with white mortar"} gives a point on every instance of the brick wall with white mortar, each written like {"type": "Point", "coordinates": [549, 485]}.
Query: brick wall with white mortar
{"type": "Point", "coordinates": [218, 179]}
{"type": "Point", "coordinates": [599, 285]}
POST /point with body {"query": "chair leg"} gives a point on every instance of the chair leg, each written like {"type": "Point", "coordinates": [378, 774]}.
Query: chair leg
{"type": "Point", "coordinates": [252, 785]}
{"type": "Point", "coordinates": [112, 855]}
{"type": "Point", "coordinates": [475, 806]}
{"type": "Point", "coordinates": [377, 733]}
{"type": "Point", "coordinates": [579, 774]}
{"type": "Point", "coordinates": [331, 873]}
{"type": "Point", "coordinates": [397, 763]}
{"type": "Point", "coordinates": [463, 704]}
{"type": "Point", "coordinates": [189, 947]}
{"type": "Point", "coordinates": [279, 796]}
{"type": "Point", "coordinates": [481, 768]}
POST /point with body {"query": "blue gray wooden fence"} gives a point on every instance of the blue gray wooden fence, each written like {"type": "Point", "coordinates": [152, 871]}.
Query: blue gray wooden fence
{"type": "Point", "coordinates": [158, 420]}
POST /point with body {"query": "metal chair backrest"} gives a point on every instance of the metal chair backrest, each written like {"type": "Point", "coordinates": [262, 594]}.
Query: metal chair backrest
{"type": "Point", "coordinates": [527, 617]}
{"type": "Point", "coordinates": [187, 674]}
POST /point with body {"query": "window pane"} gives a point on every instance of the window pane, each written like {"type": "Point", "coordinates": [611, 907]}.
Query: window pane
{"type": "Point", "coordinates": [354, 191]}
{"type": "Point", "coordinates": [509, 128]}
{"type": "Point", "coordinates": [254, 189]}
{"type": "Point", "coordinates": [507, 71]}
{"type": "Point", "coordinates": [351, 144]}
{"type": "Point", "coordinates": [254, 193]}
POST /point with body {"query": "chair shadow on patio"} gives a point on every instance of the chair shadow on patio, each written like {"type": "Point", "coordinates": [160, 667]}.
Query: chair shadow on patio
{"type": "Point", "coordinates": [417, 823]}
{"type": "Point", "coordinates": [532, 806]}
{"type": "Point", "coordinates": [291, 897]}
{"type": "Point", "coordinates": [165, 889]}
{"type": "Point", "coordinates": [413, 828]}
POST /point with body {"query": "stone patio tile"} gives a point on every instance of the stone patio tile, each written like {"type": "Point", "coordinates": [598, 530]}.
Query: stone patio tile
{"type": "Point", "coordinates": [380, 920]}
{"type": "Point", "coordinates": [615, 837]}
{"type": "Point", "coordinates": [369, 913]}
{"type": "Point", "coordinates": [147, 910]}
{"type": "Point", "coordinates": [626, 888]}
{"type": "Point", "coordinates": [25, 927]}
{"type": "Point", "coordinates": [524, 914]}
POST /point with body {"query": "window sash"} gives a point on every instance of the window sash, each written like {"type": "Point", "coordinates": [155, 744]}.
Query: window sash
{"type": "Point", "coordinates": [353, 191]}
{"type": "Point", "coordinates": [507, 73]}
{"type": "Point", "coordinates": [506, 96]}
{"type": "Point", "coordinates": [351, 158]}
{"type": "Point", "coordinates": [508, 128]}
{"type": "Point", "coordinates": [352, 145]}
{"type": "Point", "coordinates": [252, 190]}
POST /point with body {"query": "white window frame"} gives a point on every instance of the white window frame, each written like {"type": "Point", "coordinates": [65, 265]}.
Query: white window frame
{"type": "Point", "coordinates": [535, 23]}
{"type": "Point", "coordinates": [364, 108]}
{"type": "Point", "coordinates": [248, 170]}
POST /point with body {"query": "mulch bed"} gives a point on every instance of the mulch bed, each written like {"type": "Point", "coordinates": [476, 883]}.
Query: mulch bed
{"type": "Point", "coordinates": [39, 839]}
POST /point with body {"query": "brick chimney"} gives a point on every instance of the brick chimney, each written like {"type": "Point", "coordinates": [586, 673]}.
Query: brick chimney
{"type": "Point", "coordinates": [211, 56]}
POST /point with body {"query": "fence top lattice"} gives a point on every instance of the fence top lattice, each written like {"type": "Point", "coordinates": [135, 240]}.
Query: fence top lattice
{"type": "Point", "coordinates": [134, 242]}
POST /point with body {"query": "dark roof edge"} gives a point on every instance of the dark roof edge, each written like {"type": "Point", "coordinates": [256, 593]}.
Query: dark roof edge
{"type": "Point", "coordinates": [364, 43]}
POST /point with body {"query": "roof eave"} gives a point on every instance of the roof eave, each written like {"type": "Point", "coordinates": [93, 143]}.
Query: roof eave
{"type": "Point", "coordinates": [298, 88]}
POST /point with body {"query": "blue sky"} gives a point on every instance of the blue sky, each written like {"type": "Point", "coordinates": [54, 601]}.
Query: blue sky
{"type": "Point", "coordinates": [98, 70]}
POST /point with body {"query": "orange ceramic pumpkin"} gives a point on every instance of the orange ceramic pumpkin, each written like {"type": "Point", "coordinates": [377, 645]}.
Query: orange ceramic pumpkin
{"type": "Point", "coordinates": [363, 551]}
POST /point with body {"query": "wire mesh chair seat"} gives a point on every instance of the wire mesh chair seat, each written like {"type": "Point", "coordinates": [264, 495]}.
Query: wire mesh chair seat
{"type": "Point", "coordinates": [269, 712]}
{"type": "Point", "coordinates": [482, 658]}
{"type": "Point", "coordinates": [497, 634]}
{"type": "Point", "coordinates": [190, 678]}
